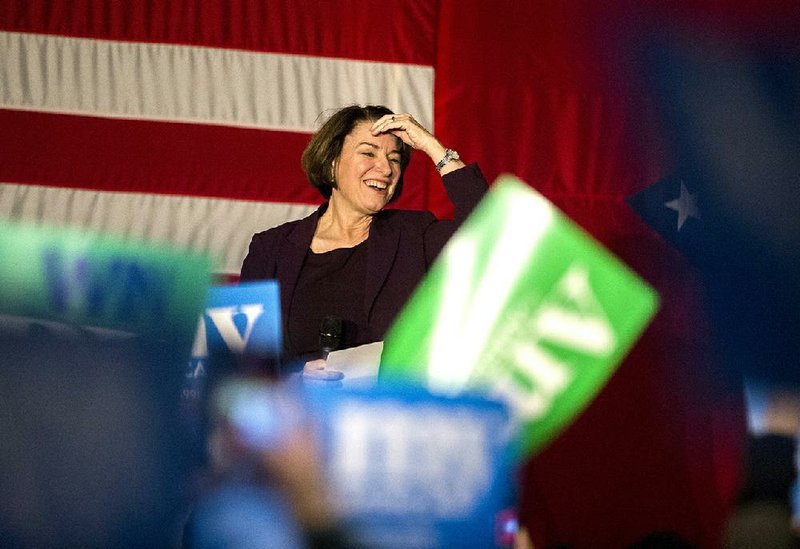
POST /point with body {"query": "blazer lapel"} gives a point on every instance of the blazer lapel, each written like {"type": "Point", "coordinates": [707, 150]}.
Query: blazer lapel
{"type": "Point", "coordinates": [292, 255]}
{"type": "Point", "coordinates": [382, 248]}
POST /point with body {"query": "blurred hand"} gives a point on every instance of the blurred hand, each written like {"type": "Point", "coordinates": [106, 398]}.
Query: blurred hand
{"type": "Point", "coordinates": [297, 467]}
{"type": "Point", "coordinates": [522, 540]}
{"type": "Point", "coordinates": [782, 414]}
{"type": "Point", "coordinates": [317, 370]}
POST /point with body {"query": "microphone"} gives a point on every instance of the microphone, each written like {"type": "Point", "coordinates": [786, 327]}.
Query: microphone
{"type": "Point", "coordinates": [330, 333]}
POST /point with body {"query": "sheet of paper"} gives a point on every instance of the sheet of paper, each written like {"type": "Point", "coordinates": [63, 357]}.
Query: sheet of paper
{"type": "Point", "coordinates": [359, 364]}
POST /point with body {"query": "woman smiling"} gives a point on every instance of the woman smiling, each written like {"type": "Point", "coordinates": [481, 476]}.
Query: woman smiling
{"type": "Point", "coordinates": [353, 259]}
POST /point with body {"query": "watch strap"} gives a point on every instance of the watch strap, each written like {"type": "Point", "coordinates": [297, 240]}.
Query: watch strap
{"type": "Point", "coordinates": [449, 156]}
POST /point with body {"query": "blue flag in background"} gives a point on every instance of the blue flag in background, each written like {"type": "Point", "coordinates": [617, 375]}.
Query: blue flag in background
{"type": "Point", "coordinates": [733, 114]}
{"type": "Point", "coordinates": [672, 207]}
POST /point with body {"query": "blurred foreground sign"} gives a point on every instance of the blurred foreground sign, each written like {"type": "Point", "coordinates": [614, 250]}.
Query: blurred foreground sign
{"type": "Point", "coordinates": [99, 281]}
{"type": "Point", "coordinates": [411, 469]}
{"type": "Point", "coordinates": [93, 330]}
{"type": "Point", "coordinates": [524, 305]}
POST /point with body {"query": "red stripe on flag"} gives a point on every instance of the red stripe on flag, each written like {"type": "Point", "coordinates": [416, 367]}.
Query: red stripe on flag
{"type": "Point", "coordinates": [399, 32]}
{"type": "Point", "coordinates": [155, 157]}
{"type": "Point", "coordinates": [164, 158]}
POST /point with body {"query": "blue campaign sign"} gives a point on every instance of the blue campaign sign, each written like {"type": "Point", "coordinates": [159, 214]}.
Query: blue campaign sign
{"type": "Point", "coordinates": [410, 469]}
{"type": "Point", "coordinates": [241, 319]}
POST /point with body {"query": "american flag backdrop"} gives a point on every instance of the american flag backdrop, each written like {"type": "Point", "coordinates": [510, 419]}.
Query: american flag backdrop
{"type": "Point", "coordinates": [183, 121]}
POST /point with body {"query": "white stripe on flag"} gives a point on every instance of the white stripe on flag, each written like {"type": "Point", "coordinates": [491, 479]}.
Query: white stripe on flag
{"type": "Point", "coordinates": [218, 227]}
{"type": "Point", "coordinates": [199, 84]}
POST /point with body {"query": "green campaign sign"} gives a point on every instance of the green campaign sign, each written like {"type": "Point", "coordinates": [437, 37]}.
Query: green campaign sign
{"type": "Point", "coordinates": [524, 306]}
{"type": "Point", "coordinates": [100, 281]}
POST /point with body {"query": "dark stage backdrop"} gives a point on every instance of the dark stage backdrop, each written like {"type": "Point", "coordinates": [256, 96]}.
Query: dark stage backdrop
{"type": "Point", "coordinates": [184, 120]}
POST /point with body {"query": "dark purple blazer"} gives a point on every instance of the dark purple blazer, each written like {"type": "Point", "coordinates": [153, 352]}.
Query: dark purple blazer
{"type": "Point", "coordinates": [401, 246]}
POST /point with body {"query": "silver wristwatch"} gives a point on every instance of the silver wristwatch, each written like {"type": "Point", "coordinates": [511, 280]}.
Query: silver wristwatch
{"type": "Point", "coordinates": [449, 156]}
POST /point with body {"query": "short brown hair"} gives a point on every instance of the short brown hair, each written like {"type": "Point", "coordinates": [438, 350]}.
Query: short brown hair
{"type": "Point", "coordinates": [326, 146]}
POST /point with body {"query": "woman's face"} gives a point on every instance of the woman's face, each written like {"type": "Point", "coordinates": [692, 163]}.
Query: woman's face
{"type": "Point", "coordinates": [366, 171]}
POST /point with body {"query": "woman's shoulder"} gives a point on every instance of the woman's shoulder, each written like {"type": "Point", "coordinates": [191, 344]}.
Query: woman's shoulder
{"type": "Point", "coordinates": [268, 246]}
{"type": "Point", "coordinates": [285, 229]}
{"type": "Point", "coordinates": [277, 230]}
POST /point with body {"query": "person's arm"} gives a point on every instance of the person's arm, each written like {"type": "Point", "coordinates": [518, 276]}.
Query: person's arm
{"type": "Point", "coordinates": [465, 184]}
{"type": "Point", "coordinates": [412, 133]}
{"type": "Point", "coordinates": [465, 187]}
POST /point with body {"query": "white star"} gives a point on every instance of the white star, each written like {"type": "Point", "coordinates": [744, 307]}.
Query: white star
{"type": "Point", "coordinates": [685, 205]}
